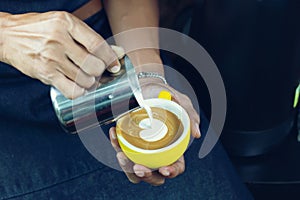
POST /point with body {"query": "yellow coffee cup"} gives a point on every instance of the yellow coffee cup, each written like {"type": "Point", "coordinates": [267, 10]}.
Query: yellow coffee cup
{"type": "Point", "coordinates": [166, 155]}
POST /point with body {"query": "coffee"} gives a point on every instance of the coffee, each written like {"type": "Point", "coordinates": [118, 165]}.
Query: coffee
{"type": "Point", "coordinates": [166, 128]}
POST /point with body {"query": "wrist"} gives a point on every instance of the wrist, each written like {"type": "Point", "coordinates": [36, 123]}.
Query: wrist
{"type": "Point", "coordinates": [151, 77]}
{"type": "Point", "coordinates": [147, 60]}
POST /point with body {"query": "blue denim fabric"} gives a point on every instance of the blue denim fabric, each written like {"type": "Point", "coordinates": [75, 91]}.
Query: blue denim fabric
{"type": "Point", "coordinates": [40, 161]}
{"type": "Point", "coordinates": [45, 163]}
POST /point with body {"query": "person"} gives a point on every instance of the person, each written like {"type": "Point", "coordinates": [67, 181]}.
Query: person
{"type": "Point", "coordinates": [42, 45]}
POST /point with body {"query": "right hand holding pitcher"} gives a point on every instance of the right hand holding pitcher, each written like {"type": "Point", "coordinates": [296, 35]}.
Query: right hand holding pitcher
{"type": "Point", "coordinates": [57, 48]}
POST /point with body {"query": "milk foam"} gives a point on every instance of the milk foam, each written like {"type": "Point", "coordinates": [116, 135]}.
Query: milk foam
{"type": "Point", "coordinates": [157, 131]}
{"type": "Point", "coordinates": [140, 99]}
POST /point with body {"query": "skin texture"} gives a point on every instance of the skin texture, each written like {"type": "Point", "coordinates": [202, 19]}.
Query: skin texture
{"type": "Point", "coordinates": [56, 48]}
{"type": "Point", "coordinates": [137, 173]}
{"type": "Point", "coordinates": [65, 53]}
{"type": "Point", "coordinates": [125, 15]}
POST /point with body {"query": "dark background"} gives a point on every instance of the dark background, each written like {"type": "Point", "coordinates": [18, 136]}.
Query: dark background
{"type": "Point", "coordinates": [256, 46]}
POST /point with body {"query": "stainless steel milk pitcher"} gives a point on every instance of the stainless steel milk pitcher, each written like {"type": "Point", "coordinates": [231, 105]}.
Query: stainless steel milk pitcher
{"type": "Point", "coordinates": [111, 99]}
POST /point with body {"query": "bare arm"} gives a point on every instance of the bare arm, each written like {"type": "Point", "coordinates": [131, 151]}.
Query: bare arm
{"type": "Point", "coordinates": [130, 14]}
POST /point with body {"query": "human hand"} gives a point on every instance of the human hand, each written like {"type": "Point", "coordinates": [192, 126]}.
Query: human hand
{"type": "Point", "coordinates": [56, 48]}
{"type": "Point", "coordinates": [135, 172]}
{"type": "Point", "coordinates": [151, 88]}
{"type": "Point", "coordinates": [146, 60]}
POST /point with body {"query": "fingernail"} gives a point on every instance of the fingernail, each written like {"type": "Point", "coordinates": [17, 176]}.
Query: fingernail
{"type": "Point", "coordinates": [115, 69]}
{"type": "Point", "coordinates": [197, 129]}
{"type": "Point", "coordinates": [140, 174]}
{"type": "Point", "coordinates": [166, 173]}
{"type": "Point", "coordinates": [113, 135]}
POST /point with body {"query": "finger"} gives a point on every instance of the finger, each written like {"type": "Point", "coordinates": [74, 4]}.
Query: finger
{"type": "Point", "coordinates": [75, 74]}
{"type": "Point", "coordinates": [119, 51]}
{"type": "Point", "coordinates": [93, 65]}
{"type": "Point", "coordinates": [113, 139]}
{"type": "Point", "coordinates": [148, 176]}
{"type": "Point", "coordinates": [110, 58]}
{"type": "Point", "coordinates": [87, 62]}
{"type": "Point", "coordinates": [194, 120]}
{"type": "Point", "coordinates": [155, 179]}
{"type": "Point", "coordinates": [67, 87]}
{"type": "Point", "coordinates": [142, 171]}
{"type": "Point", "coordinates": [127, 167]}
{"type": "Point", "coordinates": [124, 162]}
{"type": "Point", "coordinates": [173, 170]}
{"type": "Point", "coordinates": [82, 33]}
{"type": "Point", "coordinates": [195, 129]}
{"type": "Point", "coordinates": [186, 103]}
{"type": "Point", "coordinates": [93, 42]}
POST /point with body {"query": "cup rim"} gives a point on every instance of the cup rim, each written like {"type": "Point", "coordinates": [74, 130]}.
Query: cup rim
{"type": "Point", "coordinates": [183, 116]}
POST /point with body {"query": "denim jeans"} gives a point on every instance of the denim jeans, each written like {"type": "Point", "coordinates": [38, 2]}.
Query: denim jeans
{"type": "Point", "coordinates": [51, 164]}
{"type": "Point", "coordinates": [38, 160]}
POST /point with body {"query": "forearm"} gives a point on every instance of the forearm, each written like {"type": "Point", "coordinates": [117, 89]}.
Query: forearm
{"type": "Point", "coordinates": [131, 14]}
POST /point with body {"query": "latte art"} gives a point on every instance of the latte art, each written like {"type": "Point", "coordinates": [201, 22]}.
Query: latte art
{"type": "Point", "coordinates": [166, 128]}
{"type": "Point", "coordinates": [156, 132]}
